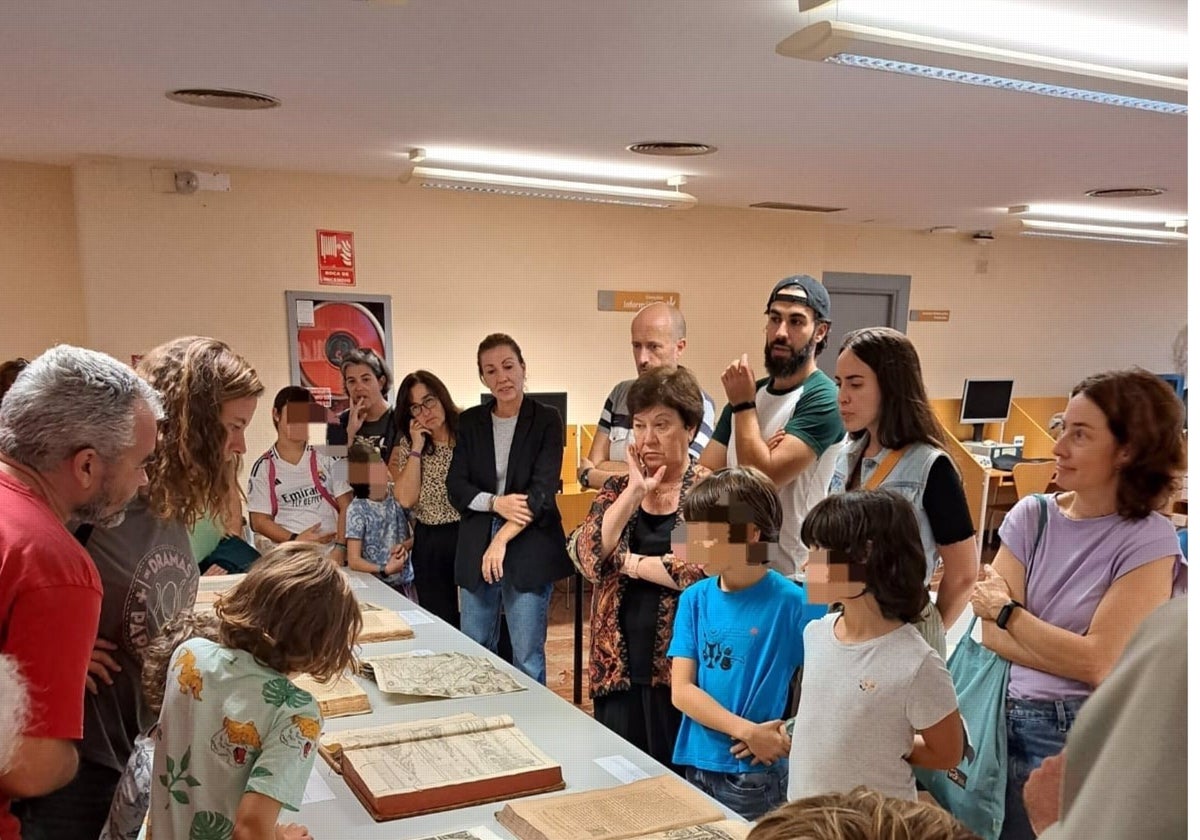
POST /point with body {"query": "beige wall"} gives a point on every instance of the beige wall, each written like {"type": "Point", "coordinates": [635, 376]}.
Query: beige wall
{"type": "Point", "coordinates": [156, 265]}
{"type": "Point", "coordinates": [40, 280]}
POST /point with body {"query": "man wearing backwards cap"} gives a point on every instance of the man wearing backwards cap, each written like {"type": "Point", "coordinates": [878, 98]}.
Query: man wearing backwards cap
{"type": "Point", "coordinates": [787, 424]}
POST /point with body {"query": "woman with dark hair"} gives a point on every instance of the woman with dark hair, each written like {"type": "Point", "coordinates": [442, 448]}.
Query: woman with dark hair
{"type": "Point", "coordinates": [366, 379]}
{"type": "Point", "coordinates": [1078, 571]}
{"type": "Point", "coordinates": [875, 698]}
{"type": "Point", "coordinates": [624, 548]}
{"type": "Point", "coordinates": [502, 480]}
{"type": "Point", "coordinates": [427, 426]}
{"type": "Point", "coordinates": [896, 443]}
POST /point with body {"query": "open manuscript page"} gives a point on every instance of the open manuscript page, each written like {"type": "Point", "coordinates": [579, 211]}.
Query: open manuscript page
{"type": "Point", "coordinates": [439, 675]}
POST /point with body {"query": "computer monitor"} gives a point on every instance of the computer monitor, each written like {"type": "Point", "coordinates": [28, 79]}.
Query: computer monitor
{"type": "Point", "coordinates": [985, 401]}
{"type": "Point", "coordinates": [554, 399]}
{"type": "Point", "coordinates": [1175, 380]}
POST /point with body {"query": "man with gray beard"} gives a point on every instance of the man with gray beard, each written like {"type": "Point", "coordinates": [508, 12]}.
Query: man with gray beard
{"type": "Point", "coordinates": [77, 429]}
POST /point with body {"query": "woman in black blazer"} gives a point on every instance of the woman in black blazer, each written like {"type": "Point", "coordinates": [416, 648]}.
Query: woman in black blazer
{"type": "Point", "coordinates": [503, 477]}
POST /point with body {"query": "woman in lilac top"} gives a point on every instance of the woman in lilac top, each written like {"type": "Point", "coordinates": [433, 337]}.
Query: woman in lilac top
{"type": "Point", "coordinates": [1106, 560]}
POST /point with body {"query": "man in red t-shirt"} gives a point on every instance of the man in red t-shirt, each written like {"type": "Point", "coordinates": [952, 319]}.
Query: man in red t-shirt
{"type": "Point", "coordinates": [76, 431]}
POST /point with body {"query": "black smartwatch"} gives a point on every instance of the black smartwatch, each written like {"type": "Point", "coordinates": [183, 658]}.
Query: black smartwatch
{"type": "Point", "coordinates": [1006, 612]}
{"type": "Point", "coordinates": [742, 406]}
{"type": "Point", "coordinates": [583, 477]}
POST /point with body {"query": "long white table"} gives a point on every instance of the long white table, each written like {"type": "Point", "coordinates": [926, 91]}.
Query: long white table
{"type": "Point", "coordinates": [562, 731]}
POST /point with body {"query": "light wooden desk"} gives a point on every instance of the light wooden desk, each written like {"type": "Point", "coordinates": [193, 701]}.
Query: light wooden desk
{"type": "Point", "coordinates": [574, 502]}
{"type": "Point", "coordinates": [993, 481]}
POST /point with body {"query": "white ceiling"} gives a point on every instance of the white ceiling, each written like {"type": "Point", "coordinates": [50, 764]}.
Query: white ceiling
{"type": "Point", "coordinates": [361, 83]}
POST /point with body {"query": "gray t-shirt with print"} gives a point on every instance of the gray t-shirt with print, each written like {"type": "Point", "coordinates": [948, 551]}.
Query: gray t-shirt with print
{"type": "Point", "coordinates": [861, 703]}
{"type": "Point", "coordinates": [148, 574]}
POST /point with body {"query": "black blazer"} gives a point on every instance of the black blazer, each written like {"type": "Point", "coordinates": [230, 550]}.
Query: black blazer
{"type": "Point", "coordinates": [538, 555]}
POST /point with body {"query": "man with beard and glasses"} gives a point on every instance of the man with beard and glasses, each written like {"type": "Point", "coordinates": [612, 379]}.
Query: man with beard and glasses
{"type": "Point", "coordinates": [786, 424]}
{"type": "Point", "coordinates": [77, 430]}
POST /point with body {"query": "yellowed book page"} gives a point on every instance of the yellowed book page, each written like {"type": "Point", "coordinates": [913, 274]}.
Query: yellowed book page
{"type": "Point", "coordinates": [723, 830]}
{"type": "Point", "coordinates": [339, 697]}
{"type": "Point", "coordinates": [212, 587]}
{"type": "Point", "coordinates": [451, 760]}
{"type": "Point", "coordinates": [440, 675]}
{"type": "Point", "coordinates": [619, 813]}
{"type": "Point", "coordinates": [392, 733]}
{"type": "Point", "coordinates": [381, 624]}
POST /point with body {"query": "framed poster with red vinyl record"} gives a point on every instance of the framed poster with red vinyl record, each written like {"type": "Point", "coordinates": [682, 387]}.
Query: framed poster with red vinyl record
{"type": "Point", "coordinates": [323, 327]}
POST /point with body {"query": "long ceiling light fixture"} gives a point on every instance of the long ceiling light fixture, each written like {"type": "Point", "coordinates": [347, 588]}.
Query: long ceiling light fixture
{"type": "Point", "coordinates": [522, 186]}
{"type": "Point", "coordinates": [1110, 233]}
{"type": "Point", "coordinates": [869, 47]}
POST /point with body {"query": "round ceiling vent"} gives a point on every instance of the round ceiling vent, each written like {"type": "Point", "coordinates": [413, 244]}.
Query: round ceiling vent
{"type": "Point", "coordinates": [1126, 192]}
{"type": "Point", "coordinates": [233, 100]}
{"type": "Point", "coordinates": [666, 149]}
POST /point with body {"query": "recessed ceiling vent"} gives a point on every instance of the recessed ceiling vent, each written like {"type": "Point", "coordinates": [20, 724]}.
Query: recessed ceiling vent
{"type": "Point", "coordinates": [1126, 192]}
{"type": "Point", "coordinates": [666, 149]}
{"type": "Point", "coordinates": [232, 100]}
{"type": "Point", "coordinates": [801, 208]}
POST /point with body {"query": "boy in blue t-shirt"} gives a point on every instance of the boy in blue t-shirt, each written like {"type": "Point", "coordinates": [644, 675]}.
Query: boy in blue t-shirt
{"type": "Point", "coordinates": [738, 641]}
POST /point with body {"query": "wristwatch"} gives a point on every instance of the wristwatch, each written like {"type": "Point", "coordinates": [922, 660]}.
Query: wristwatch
{"type": "Point", "coordinates": [1006, 612]}
{"type": "Point", "coordinates": [742, 406]}
{"type": "Point", "coordinates": [583, 477]}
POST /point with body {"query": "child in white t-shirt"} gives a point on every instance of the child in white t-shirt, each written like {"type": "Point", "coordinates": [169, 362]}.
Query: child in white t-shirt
{"type": "Point", "coordinates": [297, 492]}
{"type": "Point", "coordinates": [875, 698]}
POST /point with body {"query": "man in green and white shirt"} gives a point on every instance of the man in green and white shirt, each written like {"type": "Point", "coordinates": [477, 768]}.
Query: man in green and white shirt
{"type": "Point", "coordinates": [787, 424]}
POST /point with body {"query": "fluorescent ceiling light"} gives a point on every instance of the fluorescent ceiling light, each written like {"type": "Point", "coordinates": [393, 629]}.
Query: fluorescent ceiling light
{"type": "Point", "coordinates": [521, 186]}
{"type": "Point", "coordinates": [488, 159]}
{"type": "Point", "coordinates": [1033, 27]}
{"type": "Point", "coordinates": [956, 61]}
{"type": "Point", "coordinates": [1092, 213]}
{"type": "Point", "coordinates": [1079, 230]}
{"type": "Point", "coordinates": [1127, 240]}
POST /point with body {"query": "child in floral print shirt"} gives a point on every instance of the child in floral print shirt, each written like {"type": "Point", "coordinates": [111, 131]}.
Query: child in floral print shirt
{"type": "Point", "coordinates": [236, 738]}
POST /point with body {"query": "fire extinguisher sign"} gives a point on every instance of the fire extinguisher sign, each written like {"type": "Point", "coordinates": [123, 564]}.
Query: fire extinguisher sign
{"type": "Point", "coordinates": [335, 258]}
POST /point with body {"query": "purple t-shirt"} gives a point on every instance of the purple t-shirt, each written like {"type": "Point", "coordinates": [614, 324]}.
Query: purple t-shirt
{"type": "Point", "coordinates": [1078, 560]}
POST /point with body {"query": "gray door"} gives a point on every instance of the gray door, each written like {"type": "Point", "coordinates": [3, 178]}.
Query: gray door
{"type": "Point", "coordinates": [862, 300]}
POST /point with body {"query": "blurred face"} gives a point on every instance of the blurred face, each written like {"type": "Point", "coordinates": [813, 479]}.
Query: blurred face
{"type": "Point", "coordinates": [362, 384]}
{"type": "Point", "coordinates": [235, 417]}
{"type": "Point", "coordinates": [121, 479]}
{"type": "Point", "coordinates": [426, 408]}
{"type": "Point", "coordinates": [661, 438]}
{"type": "Point", "coordinates": [711, 545]}
{"type": "Point", "coordinates": [792, 334]}
{"type": "Point", "coordinates": [858, 393]}
{"type": "Point", "coordinates": [829, 583]}
{"type": "Point", "coordinates": [1087, 454]}
{"type": "Point", "coordinates": [374, 474]}
{"type": "Point", "coordinates": [502, 373]}
{"type": "Point", "coordinates": [295, 418]}
{"type": "Point", "coordinates": [654, 343]}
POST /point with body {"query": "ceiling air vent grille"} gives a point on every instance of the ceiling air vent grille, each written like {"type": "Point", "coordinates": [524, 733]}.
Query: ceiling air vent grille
{"type": "Point", "coordinates": [666, 149]}
{"type": "Point", "coordinates": [800, 208]}
{"type": "Point", "coordinates": [233, 100]}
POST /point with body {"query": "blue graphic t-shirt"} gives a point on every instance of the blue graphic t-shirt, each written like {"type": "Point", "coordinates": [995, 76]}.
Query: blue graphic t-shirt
{"type": "Point", "coordinates": [746, 645]}
{"type": "Point", "coordinates": [380, 525]}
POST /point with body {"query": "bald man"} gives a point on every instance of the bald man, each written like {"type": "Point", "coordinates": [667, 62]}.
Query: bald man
{"type": "Point", "coordinates": [659, 337]}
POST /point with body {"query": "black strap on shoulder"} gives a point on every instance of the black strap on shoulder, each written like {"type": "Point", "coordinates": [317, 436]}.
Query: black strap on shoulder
{"type": "Point", "coordinates": [84, 532]}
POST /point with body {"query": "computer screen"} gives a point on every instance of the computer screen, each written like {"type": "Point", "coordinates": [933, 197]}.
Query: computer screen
{"type": "Point", "coordinates": [985, 401]}
{"type": "Point", "coordinates": [1175, 380]}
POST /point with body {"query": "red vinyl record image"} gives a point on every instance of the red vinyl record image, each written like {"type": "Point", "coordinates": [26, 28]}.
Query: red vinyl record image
{"type": "Point", "coordinates": [338, 327]}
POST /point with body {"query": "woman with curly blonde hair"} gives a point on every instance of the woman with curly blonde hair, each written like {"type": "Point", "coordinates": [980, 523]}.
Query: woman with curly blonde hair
{"type": "Point", "coordinates": [146, 563]}
{"type": "Point", "coordinates": [861, 814]}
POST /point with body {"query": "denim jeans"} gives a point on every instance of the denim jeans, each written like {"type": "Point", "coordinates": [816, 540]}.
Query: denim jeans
{"type": "Point", "coordinates": [526, 614]}
{"type": "Point", "coordinates": [749, 794]}
{"type": "Point", "coordinates": [75, 812]}
{"type": "Point", "coordinates": [1037, 729]}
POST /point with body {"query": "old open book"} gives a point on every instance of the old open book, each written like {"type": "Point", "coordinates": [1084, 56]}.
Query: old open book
{"type": "Point", "coordinates": [449, 674]}
{"type": "Point", "coordinates": [437, 764]}
{"type": "Point", "coordinates": [212, 587]}
{"type": "Point", "coordinates": [650, 809]}
{"type": "Point", "coordinates": [382, 625]}
{"type": "Point", "coordinates": [339, 697]}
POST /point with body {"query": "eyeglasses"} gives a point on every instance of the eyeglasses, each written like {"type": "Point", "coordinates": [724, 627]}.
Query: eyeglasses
{"type": "Point", "coordinates": [424, 405]}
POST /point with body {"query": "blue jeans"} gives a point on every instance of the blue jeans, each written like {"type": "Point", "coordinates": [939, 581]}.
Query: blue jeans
{"type": "Point", "coordinates": [526, 613]}
{"type": "Point", "coordinates": [1037, 729]}
{"type": "Point", "coordinates": [749, 794]}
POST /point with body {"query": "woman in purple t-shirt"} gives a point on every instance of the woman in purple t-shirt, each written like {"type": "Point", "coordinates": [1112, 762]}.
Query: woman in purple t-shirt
{"type": "Point", "coordinates": [1062, 614]}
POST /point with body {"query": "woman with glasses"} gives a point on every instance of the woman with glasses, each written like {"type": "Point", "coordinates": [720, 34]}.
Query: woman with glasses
{"type": "Point", "coordinates": [426, 423]}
